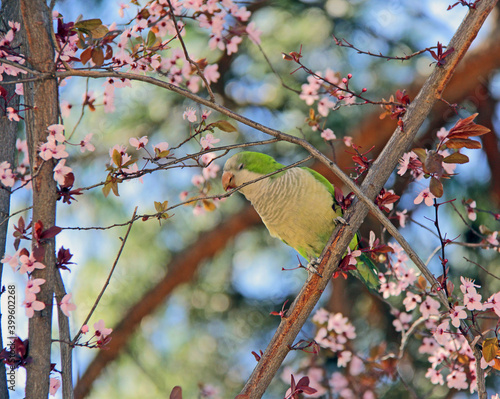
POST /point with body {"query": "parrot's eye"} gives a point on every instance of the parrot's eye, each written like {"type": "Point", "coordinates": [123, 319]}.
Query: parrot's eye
{"type": "Point", "coordinates": [240, 166]}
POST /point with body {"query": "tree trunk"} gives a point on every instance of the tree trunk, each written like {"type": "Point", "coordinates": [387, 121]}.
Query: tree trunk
{"type": "Point", "coordinates": [41, 99]}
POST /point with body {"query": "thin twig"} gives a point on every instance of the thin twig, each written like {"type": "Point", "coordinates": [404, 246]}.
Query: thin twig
{"type": "Point", "coordinates": [124, 240]}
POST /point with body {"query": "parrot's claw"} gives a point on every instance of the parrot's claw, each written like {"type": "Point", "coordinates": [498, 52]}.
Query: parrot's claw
{"type": "Point", "coordinates": [312, 266]}
{"type": "Point", "coordinates": [341, 220]}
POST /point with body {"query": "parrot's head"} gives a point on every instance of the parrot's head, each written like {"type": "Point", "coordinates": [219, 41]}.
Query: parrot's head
{"type": "Point", "coordinates": [247, 166]}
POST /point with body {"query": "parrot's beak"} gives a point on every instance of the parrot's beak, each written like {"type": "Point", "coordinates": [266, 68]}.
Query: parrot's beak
{"type": "Point", "coordinates": [227, 181]}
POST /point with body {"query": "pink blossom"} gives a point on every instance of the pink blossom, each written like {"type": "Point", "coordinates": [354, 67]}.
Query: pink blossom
{"type": "Point", "coordinates": [60, 171]}
{"type": "Point", "coordinates": [457, 379]}
{"type": "Point", "coordinates": [7, 178]}
{"type": "Point", "coordinates": [29, 264]}
{"type": "Point", "coordinates": [429, 307]}
{"type": "Point", "coordinates": [493, 303]}
{"type": "Point", "coordinates": [471, 214]}
{"type": "Point", "coordinates": [232, 45]}
{"type": "Point", "coordinates": [85, 144]}
{"type": "Point", "coordinates": [429, 346]}
{"type": "Point", "coordinates": [457, 313]}
{"type": "Point", "coordinates": [208, 141]}
{"type": "Point", "coordinates": [253, 33]}
{"type": "Point", "coordinates": [57, 132]}
{"type": "Point", "coordinates": [100, 330]}
{"type": "Point", "coordinates": [65, 108]}
{"type": "Point", "coordinates": [19, 89]}
{"type": "Point", "coordinates": [66, 305]}
{"type": "Point", "coordinates": [190, 115]}
{"type": "Point", "coordinates": [426, 196]}
{"type": "Point", "coordinates": [328, 134]}
{"type": "Point", "coordinates": [85, 329]}
{"type": "Point", "coordinates": [324, 106]}
{"type": "Point", "coordinates": [212, 73]}
{"type": "Point", "coordinates": [402, 216]}
{"type": "Point", "coordinates": [411, 300]}
{"type": "Point", "coordinates": [51, 149]}
{"type": "Point", "coordinates": [402, 323]}
{"type": "Point", "coordinates": [347, 141]}
{"type": "Point", "coordinates": [210, 171]}
{"type": "Point", "coordinates": [435, 376]}
{"type": "Point", "coordinates": [55, 384]}
{"type": "Point", "coordinates": [12, 260]}
{"type": "Point", "coordinates": [321, 316]}
{"type": "Point", "coordinates": [442, 333]}
{"type": "Point", "coordinates": [133, 169]}
{"type": "Point", "coordinates": [468, 285]}
{"type": "Point", "coordinates": [472, 300]}
{"type": "Point", "coordinates": [198, 180]}
{"type": "Point", "coordinates": [138, 143]}
{"type": "Point", "coordinates": [344, 358]}
{"type": "Point", "coordinates": [13, 114]}
{"type": "Point", "coordinates": [442, 133]}
{"type": "Point", "coordinates": [33, 285]}
{"type": "Point", "coordinates": [206, 113]}
{"type": "Point", "coordinates": [31, 304]}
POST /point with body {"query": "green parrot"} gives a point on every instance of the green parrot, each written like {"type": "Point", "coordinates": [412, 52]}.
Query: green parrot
{"type": "Point", "coordinates": [296, 205]}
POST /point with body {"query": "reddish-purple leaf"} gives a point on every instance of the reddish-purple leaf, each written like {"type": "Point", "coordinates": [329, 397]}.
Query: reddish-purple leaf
{"type": "Point", "coordinates": [176, 393]}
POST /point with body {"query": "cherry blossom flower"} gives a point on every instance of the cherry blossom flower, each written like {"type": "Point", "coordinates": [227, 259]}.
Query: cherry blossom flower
{"type": "Point", "coordinates": [85, 144]}
{"type": "Point", "coordinates": [429, 346]}
{"type": "Point", "coordinates": [55, 384]}
{"type": "Point", "coordinates": [190, 115]}
{"type": "Point", "coordinates": [426, 196]}
{"type": "Point", "coordinates": [57, 132]}
{"type": "Point", "coordinates": [457, 379]}
{"type": "Point", "coordinates": [429, 307]}
{"type": "Point", "coordinates": [7, 178]}
{"type": "Point", "coordinates": [66, 305]}
{"type": "Point", "coordinates": [210, 172]}
{"type": "Point", "coordinates": [138, 143]}
{"type": "Point", "coordinates": [324, 106]}
{"type": "Point", "coordinates": [232, 45]}
{"type": "Point", "coordinates": [13, 114]}
{"type": "Point", "coordinates": [85, 329]}
{"type": "Point", "coordinates": [31, 304]}
{"type": "Point", "coordinates": [19, 89]}
{"type": "Point", "coordinates": [11, 260]}
{"type": "Point", "coordinates": [435, 376]}
{"type": "Point", "coordinates": [65, 108]}
{"type": "Point", "coordinates": [133, 169]}
{"type": "Point", "coordinates": [347, 141]}
{"type": "Point", "coordinates": [402, 217]}
{"type": "Point", "coordinates": [253, 33]}
{"type": "Point", "coordinates": [328, 134]}
{"type": "Point", "coordinates": [29, 264]}
{"type": "Point", "coordinates": [33, 285]}
{"type": "Point", "coordinates": [442, 333]}
{"type": "Point", "coordinates": [212, 74]}
{"type": "Point", "coordinates": [411, 301]}
{"type": "Point", "coordinates": [60, 171]}
{"type": "Point", "coordinates": [467, 285]}
{"type": "Point", "coordinates": [208, 141]}
{"type": "Point", "coordinates": [344, 358]}
{"type": "Point", "coordinates": [101, 330]}
{"type": "Point", "coordinates": [321, 316]}
{"type": "Point", "coordinates": [51, 149]}
{"type": "Point", "coordinates": [472, 300]}
{"type": "Point", "coordinates": [402, 323]}
{"type": "Point", "coordinates": [471, 213]}
{"type": "Point", "coordinates": [197, 180]}
{"type": "Point", "coordinates": [457, 313]}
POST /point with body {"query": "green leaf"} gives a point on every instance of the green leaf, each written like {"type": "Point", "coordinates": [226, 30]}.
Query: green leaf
{"type": "Point", "coordinates": [88, 24]}
{"type": "Point", "coordinates": [117, 158]}
{"type": "Point", "coordinates": [456, 157]}
{"type": "Point", "coordinates": [490, 349]}
{"type": "Point", "coordinates": [436, 187]}
{"type": "Point", "coordinates": [225, 126]}
{"type": "Point", "coordinates": [151, 40]}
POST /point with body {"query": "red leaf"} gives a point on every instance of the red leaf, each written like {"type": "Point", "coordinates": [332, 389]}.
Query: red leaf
{"type": "Point", "coordinates": [86, 55]}
{"type": "Point", "coordinates": [176, 393]}
{"type": "Point", "coordinates": [50, 232]}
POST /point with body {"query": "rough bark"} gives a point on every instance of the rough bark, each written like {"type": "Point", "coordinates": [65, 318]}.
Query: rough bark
{"type": "Point", "coordinates": [8, 133]}
{"type": "Point", "coordinates": [41, 98]}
